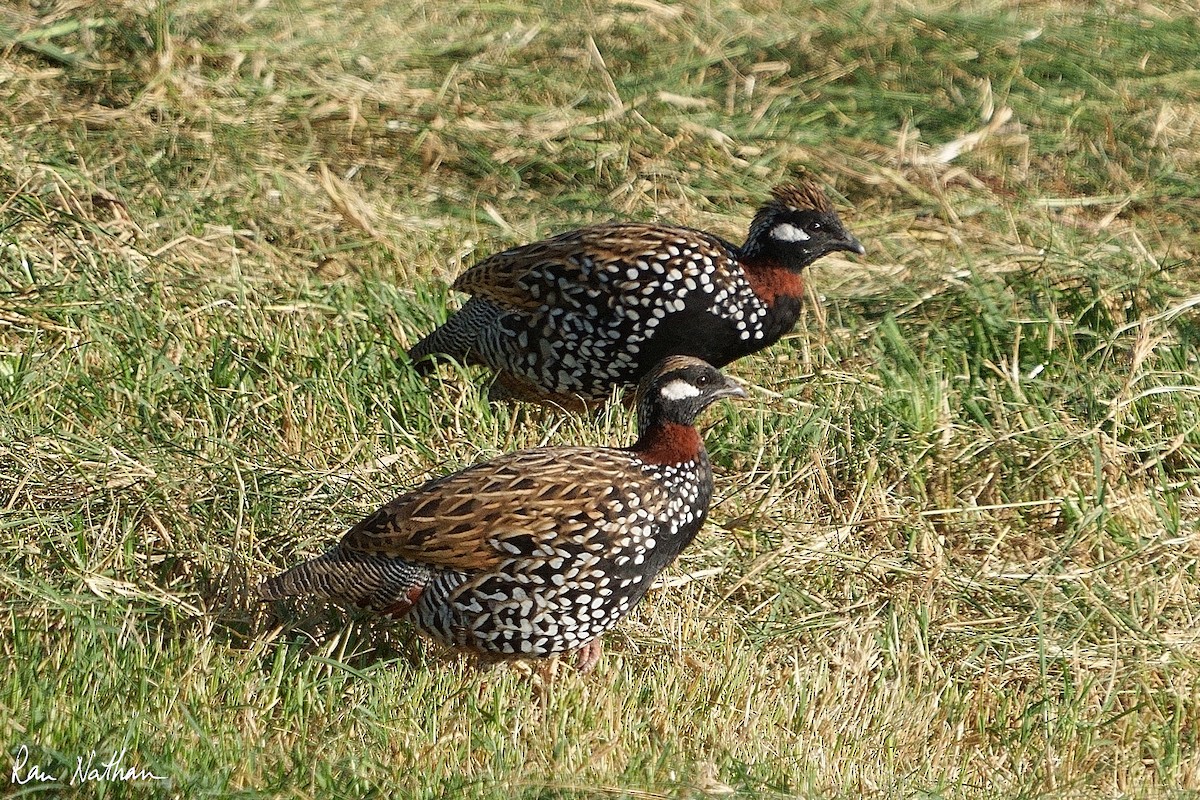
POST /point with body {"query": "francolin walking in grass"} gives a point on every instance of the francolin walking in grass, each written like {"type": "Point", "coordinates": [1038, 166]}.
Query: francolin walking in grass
{"type": "Point", "coordinates": [540, 551]}
{"type": "Point", "coordinates": [564, 320]}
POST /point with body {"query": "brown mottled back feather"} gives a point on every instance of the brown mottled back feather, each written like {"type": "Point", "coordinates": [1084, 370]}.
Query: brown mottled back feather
{"type": "Point", "coordinates": [478, 518]}
{"type": "Point", "coordinates": [519, 278]}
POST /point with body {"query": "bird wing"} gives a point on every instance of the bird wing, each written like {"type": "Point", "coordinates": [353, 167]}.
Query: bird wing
{"type": "Point", "coordinates": [513, 506]}
{"type": "Point", "coordinates": [593, 265]}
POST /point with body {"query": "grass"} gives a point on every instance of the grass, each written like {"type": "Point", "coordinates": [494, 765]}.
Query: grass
{"type": "Point", "coordinates": [954, 548]}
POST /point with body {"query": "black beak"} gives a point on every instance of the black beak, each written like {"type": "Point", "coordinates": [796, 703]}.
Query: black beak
{"type": "Point", "coordinates": [731, 389]}
{"type": "Point", "coordinates": [853, 245]}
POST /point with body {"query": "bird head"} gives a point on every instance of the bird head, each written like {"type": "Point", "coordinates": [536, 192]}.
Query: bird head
{"type": "Point", "coordinates": [798, 226]}
{"type": "Point", "coordinates": [678, 388]}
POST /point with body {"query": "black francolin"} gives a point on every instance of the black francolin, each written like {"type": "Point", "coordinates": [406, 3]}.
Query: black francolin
{"type": "Point", "coordinates": [540, 551]}
{"type": "Point", "coordinates": [565, 319]}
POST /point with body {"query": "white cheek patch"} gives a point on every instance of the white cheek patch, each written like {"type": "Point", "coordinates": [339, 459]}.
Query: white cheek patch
{"type": "Point", "coordinates": [678, 390]}
{"type": "Point", "coordinates": [787, 232]}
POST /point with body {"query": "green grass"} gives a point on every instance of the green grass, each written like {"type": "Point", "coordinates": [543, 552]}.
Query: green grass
{"type": "Point", "coordinates": [954, 548]}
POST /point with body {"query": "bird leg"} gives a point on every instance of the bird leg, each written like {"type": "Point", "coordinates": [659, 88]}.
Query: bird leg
{"type": "Point", "coordinates": [587, 656]}
{"type": "Point", "coordinates": [400, 608]}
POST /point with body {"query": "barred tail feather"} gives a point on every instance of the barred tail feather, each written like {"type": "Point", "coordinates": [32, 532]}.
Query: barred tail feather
{"type": "Point", "coordinates": [458, 337]}
{"type": "Point", "coordinates": [350, 578]}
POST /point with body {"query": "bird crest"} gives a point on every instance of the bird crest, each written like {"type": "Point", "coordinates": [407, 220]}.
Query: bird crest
{"type": "Point", "coordinates": [802, 195]}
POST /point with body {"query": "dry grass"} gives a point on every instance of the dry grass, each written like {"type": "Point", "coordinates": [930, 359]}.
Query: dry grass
{"type": "Point", "coordinates": [954, 551]}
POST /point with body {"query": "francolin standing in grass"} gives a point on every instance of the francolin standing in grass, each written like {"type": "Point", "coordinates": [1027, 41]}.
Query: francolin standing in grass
{"type": "Point", "coordinates": [536, 552]}
{"type": "Point", "coordinates": [564, 320]}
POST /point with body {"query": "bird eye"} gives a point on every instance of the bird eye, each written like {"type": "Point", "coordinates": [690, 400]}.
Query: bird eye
{"type": "Point", "coordinates": [703, 380]}
{"type": "Point", "coordinates": [814, 226]}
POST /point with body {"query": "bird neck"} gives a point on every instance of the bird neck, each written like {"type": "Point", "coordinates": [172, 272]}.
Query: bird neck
{"type": "Point", "coordinates": [771, 280]}
{"type": "Point", "coordinates": [758, 238]}
{"type": "Point", "coordinates": [663, 441]}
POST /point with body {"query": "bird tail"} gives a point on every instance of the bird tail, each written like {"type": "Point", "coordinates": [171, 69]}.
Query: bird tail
{"type": "Point", "coordinates": [458, 337]}
{"type": "Point", "coordinates": [381, 584]}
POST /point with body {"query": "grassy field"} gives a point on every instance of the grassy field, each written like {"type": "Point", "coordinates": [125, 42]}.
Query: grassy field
{"type": "Point", "coordinates": [954, 546]}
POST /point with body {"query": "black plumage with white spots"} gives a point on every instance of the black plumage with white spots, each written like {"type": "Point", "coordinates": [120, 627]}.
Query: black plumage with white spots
{"type": "Point", "coordinates": [565, 319]}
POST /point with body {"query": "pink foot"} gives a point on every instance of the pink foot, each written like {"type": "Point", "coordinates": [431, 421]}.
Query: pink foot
{"type": "Point", "coordinates": [587, 656]}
